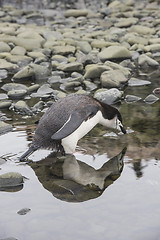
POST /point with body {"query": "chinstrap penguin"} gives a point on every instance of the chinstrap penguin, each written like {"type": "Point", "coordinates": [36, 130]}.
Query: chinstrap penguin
{"type": "Point", "coordinates": [68, 120]}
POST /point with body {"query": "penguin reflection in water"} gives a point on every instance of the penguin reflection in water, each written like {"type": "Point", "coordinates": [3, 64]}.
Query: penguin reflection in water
{"type": "Point", "coordinates": [68, 120]}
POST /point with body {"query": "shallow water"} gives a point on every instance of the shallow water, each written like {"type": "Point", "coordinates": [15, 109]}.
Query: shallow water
{"type": "Point", "coordinates": [92, 195]}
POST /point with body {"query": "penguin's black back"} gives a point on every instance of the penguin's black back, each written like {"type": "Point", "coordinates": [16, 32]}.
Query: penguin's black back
{"type": "Point", "coordinates": [58, 114]}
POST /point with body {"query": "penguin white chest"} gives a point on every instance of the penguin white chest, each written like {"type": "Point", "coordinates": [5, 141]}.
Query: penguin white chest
{"type": "Point", "coordinates": [69, 143]}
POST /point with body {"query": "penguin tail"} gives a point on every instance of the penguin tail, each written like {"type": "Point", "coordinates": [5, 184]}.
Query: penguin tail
{"type": "Point", "coordinates": [27, 153]}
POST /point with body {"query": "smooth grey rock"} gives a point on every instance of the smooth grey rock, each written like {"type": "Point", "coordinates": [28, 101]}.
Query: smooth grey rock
{"type": "Point", "coordinates": [63, 50]}
{"type": "Point", "coordinates": [95, 70]}
{"type": "Point", "coordinates": [24, 74]}
{"type": "Point", "coordinates": [71, 67]}
{"type": "Point", "coordinates": [8, 66]}
{"type": "Point", "coordinates": [4, 47]}
{"type": "Point", "coordinates": [113, 78]}
{"type": "Point", "coordinates": [3, 74]}
{"type": "Point", "coordinates": [133, 82]}
{"type": "Point", "coordinates": [17, 50]}
{"type": "Point", "coordinates": [33, 88]}
{"type": "Point", "coordinates": [114, 52]}
{"type": "Point", "coordinates": [23, 108]}
{"type": "Point", "coordinates": [45, 89]}
{"type": "Point", "coordinates": [5, 104]}
{"type": "Point", "coordinates": [3, 96]}
{"type": "Point", "coordinates": [110, 96]}
{"type": "Point", "coordinates": [17, 94]}
{"type": "Point", "coordinates": [33, 71]}
{"type": "Point", "coordinates": [11, 179]}
{"type": "Point", "coordinates": [143, 30]}
{"type": "Point", "coordinates": [132, 98]}
{"type": "Point", "coordinates": [24, 211]}
{"type": "Point", "coordinates": [150, 99]}
{"type": "Point", "coordinates": [20, 60]}
{"type": "Point", "coordinates": [145, 61]}
{"type": "Point", "coordinates": [76, 12]}
{"type": "Point", "coordinates": [5, 127]}
{"type": "Point", "coordinates": [13, 86]}
{"type": "Point", "coordinates": [84, 46]}
{"type": "Point", "coordinates": [89, 86]}
{"type": "Point", "coordinates": [38, 106]}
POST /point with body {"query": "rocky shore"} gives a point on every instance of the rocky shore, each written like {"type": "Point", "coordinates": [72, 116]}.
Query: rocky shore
{"type": "Point", "coordinates": [98, 50]}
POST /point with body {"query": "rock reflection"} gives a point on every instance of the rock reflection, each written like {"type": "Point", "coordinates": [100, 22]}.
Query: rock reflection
{"type": "Point", "coordinates": [71, 180]}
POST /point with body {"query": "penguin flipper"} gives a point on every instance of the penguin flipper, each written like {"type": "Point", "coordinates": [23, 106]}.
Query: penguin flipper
{"type": "Point", "coordinates": [74, 121]}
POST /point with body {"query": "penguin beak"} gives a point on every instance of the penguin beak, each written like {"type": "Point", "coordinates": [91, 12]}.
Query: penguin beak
{"type": "Point", "coordinates": [123, 130]}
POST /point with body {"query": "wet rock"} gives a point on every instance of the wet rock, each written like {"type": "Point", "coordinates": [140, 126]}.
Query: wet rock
{"type": "Point", "coordinates": [3, 96]}
{"type": "Point", "coordinates": [18, 51]}
{"type": "Point", "coordinates": [114, 52]}
{"type": "Point", "coordinates": [71, 67]}
{"type": "Point", "coordinates": [76, 13]}
{"type": "Point", "coordinates": [40, 72]}
{"type": "Point", "coordinates": [10, 179]}
{"type": "Point", "coordinates": [70, 85]}
{"type": "Point", "coordinates": [89, 86]}
{"type": "Point", "coordinates": [13, 86]}
{"type": "Point", "coordinates": [22, 108]}
{"type": "Point", "coordinates": [150, 99]}
{"type": "Point", "coordinates": [3, 74]}
{"type": "Point", "coordinates": [33, 88]}
{"type": "Point", "coordinates": [45, 89]}
{"type": "Point", "coordinates": [33, 71]}
{"type": "Point", "coordinates": [38, 106]}
{"type": "Point", "coordinates": [133, 82]}
{"type": "Point", "coordinates": [8, 66]}
{"type": "Point", "coordinates": [17, 94]}
{"type": "Point", "coordinates": [5, 104]}
{"type": "Point", "coordinates": [145, 61]}
{"type": "Point", "coordinates": [95, 70]}
{"type": "Point", "coordinates": [156, 91]}
{"type": "Point", "coordinates": [110, 96]}
{"type": "Point", "coordinates": [64, 50]}
{"type": "Point", "coordinates": [5, 127]}
{"type": "Point", "coordinates": [113, 78]}
{"type": "Point", "coordinates": [132, 98]}
{"type": "Point", "coordinates": [4, 47]}
{"type": "Point", "coordinates": [24, 211]}
{"type": "Point", "coordinates": [125, 70]}
{"type": "Point", "coordinates": [26, 73]}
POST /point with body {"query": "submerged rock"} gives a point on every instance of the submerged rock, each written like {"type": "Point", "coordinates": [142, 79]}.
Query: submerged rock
{"type": "Point", "coordinates": [10, 179]}
{"type": "Point", "coordinates": [23, 108]}
{"type": "Point", "coordinates": [150, 99]}
{"type": "Point", "coordinates": [24, 211]}
{"type": "Point", "coordinates": [137, 82]}
{"type": "Point", "coordinates": [132, 98]}
{"type": "Point", "coordinates": [17, 94]}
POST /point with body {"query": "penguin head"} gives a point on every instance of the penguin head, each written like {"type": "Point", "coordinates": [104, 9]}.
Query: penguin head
{"type": "Point", "coordinates": [119, 125]}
